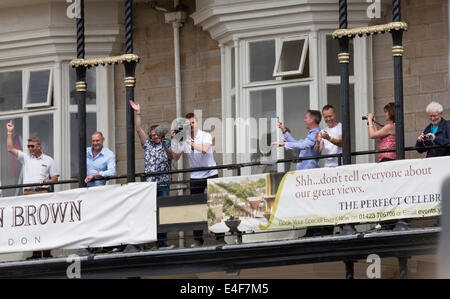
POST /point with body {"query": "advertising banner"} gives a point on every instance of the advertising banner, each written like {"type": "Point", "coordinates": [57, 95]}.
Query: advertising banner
{"type": "Point", "coordinates": [87, 217]}
{"type": "Point", "coordinates": [359, 193]}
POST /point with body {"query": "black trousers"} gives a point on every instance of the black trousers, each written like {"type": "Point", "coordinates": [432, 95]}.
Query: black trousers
{"type": "Point", "coordinates": [198, 186]}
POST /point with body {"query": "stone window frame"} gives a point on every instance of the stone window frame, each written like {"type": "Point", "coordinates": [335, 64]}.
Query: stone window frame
{"type": "Point", "coordinates": [318, 80]}
{"type": "Point", "coordinates": [29, 110]}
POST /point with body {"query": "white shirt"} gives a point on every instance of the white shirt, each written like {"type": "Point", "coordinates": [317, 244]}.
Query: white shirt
{"type": "Point", "coordinates": [198, 159]}
{"type": "Point", "coordinates": [36, 169]}
{"type": "Point", "coordinates": [329, 148]}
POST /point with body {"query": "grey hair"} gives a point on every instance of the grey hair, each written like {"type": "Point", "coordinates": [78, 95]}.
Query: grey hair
{"type": "Point", "coordinates": [434, 106]}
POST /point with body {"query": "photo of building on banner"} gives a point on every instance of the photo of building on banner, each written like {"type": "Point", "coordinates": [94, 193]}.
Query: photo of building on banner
{"type": "Point", "coordinates": [246, 201]}
{"type": "Point", "coordinates": [360, 193]}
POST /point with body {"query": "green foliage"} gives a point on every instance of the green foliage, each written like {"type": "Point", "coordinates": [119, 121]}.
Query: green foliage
{"type": "Point", "coordinates": [244, 191]}
{"type": "Point", "coordinates": [211, 215]}
{"type": "Point", "coordinates": [227, 206]}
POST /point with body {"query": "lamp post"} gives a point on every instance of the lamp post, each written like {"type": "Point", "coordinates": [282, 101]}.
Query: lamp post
{"type": "Point", "coordinates": [80, 95]}
{"type": "Point", "coordinates": [130, 83]}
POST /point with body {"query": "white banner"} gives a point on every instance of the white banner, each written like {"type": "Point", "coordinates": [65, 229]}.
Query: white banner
{"type": "Point", "coordinates": [80, 218]}
{"type": "Point", "coordinates": [329, 196]}
{"type": "Point", "coordinates": [360, 193]}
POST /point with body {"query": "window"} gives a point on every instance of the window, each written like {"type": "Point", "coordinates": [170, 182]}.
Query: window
{"type": "Point", "coordinates": [91, 115]}
{"type": "Point", "coordinates": [332, 46]}
{"type": "Point", "coordinates": [263, 110]}
{"type": "Point", "coordinates": [360, 90]}
{"type": "Point", "coordinates": [91, 127]}
{"type": "Point", "coordinates": [22, 93]}
{"type": "Point", "coordinates": [38, 88]}
{"type": "Point", "coordinates": [10, 167]}
{"type": "Point", "coordinates": [290, 54]}
{"type": "Point", "coordinates": [260, 99]}
{"type": "Point", "coordinates": [334, 99]}
{"type": "Point", "coordinates": [10, 91]}
{"type": "Point", "coordinates": [291, 58]}
{"type": "Point", "coordinates": [19, 91]}
{"type": "Point", "coordinates": [91, 81]}
{"type": "Point", "coordinates": [333, 89]}
{"type": "Point", "coordinates": [41, 126]}
{"type": "Point", "coordinates": [35, 84]}
{"type": "Point", "coordinates": [272, 80]}
{"type": "Point", "coordinates": [296, 102]}
{"type": "Point", "coordinates": [262, 60]}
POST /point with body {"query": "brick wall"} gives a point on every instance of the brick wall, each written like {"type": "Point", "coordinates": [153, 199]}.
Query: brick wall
{"type": "Point", "coordinates": [155, 86]}
{"type": "Point", "coordinates": [425, 65]}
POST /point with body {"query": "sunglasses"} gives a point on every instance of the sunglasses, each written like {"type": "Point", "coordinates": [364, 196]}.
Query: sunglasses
{"type": "Point", "coordinates": [30, 146]}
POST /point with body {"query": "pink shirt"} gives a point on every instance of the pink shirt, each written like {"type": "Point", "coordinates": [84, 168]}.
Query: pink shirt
{"type": "Point", "coordinates": [387, 142]}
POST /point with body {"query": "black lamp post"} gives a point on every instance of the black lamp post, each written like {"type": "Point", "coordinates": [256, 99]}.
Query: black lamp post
{"type": "Point", "coordinates": [80, 95]}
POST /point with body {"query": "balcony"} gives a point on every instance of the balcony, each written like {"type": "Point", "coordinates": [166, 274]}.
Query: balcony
{"type": "Point", "coordinates": [235, 250]}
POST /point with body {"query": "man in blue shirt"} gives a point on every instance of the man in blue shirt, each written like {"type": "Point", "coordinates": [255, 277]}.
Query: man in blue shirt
{"type": "Point", "coordinates": [100, 161]}
{"type": "Point", "coordinates": [306, 146]}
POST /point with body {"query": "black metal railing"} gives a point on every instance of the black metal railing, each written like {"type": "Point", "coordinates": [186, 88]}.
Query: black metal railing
{"type": "Point", "coordinates": [233, 166]}
{"type": "Point", "coordinates": [163, 201]}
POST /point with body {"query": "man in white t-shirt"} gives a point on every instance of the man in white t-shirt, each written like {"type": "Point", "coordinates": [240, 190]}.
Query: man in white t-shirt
{"type": "Point", "coordinates": [198, 148]}
{"type": "Point", "coordinates": [37, 168]}
{"type": "Point", "coordinates": [329, 140]}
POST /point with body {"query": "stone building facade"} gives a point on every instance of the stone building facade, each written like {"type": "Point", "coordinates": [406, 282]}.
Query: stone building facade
{"type": "Point", "coordinates": [217, 59]}
{"type": "Point", "coordinates": [425, 66]}
{"type": "Point", "coordinates": [155, 74]}
{"type": "Point", "coordinates": [222, 45]}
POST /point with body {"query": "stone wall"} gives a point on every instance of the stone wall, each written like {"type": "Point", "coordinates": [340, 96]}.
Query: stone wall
{"type": "Point", "coordinates": [155, 75]}
{"type": "Point", "coordinates": [425, 65]}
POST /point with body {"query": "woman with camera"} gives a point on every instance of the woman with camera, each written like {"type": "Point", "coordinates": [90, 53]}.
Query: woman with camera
{"type": "Point", "coordinates": [385, 134]}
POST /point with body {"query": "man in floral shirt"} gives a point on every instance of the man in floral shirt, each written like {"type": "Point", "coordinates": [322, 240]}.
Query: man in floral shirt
{"type": "Point", "coordinates": [158, 158]}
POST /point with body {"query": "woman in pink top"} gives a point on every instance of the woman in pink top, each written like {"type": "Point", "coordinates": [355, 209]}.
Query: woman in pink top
{"type": "Point", "coordinates": [386, 134]}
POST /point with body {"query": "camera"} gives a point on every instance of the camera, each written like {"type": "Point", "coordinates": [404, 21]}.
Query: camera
{"type": "Point", "coordinates": [427, 137]}
{"type": "Point", "coordinates": [365, 118]}
{"type": "Point", "coordinates": [181, 128]}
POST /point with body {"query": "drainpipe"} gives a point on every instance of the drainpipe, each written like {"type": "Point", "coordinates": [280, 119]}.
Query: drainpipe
{"type": "Point", "coordinates": [176, 42]}
{"type": "Point", "coordinates": [177, 18]}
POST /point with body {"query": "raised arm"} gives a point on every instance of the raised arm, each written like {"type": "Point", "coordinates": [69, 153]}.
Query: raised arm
{"type": "Point", "coordinates": [374, 133]}
{"type": "Point", "coordinates": [9, 141]}
{"type": "Point", "coordinates": [138, 122]}
{"type": "Point", "coordinates": [301, 144]}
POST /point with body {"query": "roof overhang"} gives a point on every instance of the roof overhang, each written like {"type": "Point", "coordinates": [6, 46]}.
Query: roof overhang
{"type": "Point", "coordinates": [234, 20]}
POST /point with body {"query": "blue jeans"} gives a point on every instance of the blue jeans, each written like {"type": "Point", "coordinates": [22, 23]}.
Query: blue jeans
{"type": "Point", "coordinates": [162, 191]}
